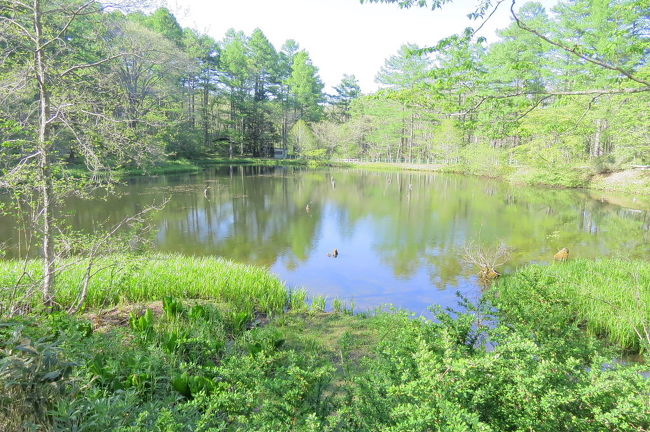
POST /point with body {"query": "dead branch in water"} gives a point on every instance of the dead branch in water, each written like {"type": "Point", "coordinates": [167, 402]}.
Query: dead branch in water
{"type": "Point", "coordinates": [487, 259]}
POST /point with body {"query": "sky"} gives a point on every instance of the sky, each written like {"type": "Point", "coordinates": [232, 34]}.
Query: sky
{"type": "Point", "coordinates": [341, 36]}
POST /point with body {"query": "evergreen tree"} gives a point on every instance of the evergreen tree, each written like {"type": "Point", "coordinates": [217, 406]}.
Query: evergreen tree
{"type": "Point", "coordinates": [405, 69]}
{"type": "Point", "coordinates": [346, 92]}
{"type": "Point", "coordinates": [263, 66]}
{"type": "Point", "coordinates": [306, 87]}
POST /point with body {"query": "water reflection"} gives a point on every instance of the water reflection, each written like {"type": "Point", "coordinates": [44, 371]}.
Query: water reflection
{"type": "Point", "coordinates": [400, 235]}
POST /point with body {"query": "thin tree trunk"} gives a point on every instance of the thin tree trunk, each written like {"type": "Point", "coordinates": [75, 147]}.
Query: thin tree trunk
{"type": "Point", "coordinates": [412, 138]}
{"type": "Point", "coordinates": [206, 124]}
{"type": "Point", "coordinates": [232, 121]}
{"type": "Point", "coordinates": [596, 149]}
{"type": "Point", "coordinates": [285, 123]}
{"type": "Point", "coordinates": [44, 171]}
{"type": "Point", "coordinates": [191, 102]}
{"type": "Point", "coordinates": [241, 138]}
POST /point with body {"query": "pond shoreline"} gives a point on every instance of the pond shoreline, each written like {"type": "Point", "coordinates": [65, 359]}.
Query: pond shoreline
{"type": "Point", "coordinates": [629, 181]}
{"type": "Point", "coordinates": [592, 294]}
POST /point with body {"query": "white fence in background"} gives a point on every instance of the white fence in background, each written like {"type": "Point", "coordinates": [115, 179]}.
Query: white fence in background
{"type": "Point", "coordinates": [424, 162]}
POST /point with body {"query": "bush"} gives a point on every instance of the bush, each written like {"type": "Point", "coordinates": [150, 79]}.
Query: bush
{"type": "Point", "coordinates": [518, 360]}
{"type": "Point", "coordinates": [604, 165]}
{"type": "Point", "coordinates": [569, 177]}
{"type": "Point", "coordinates": [425, 378]}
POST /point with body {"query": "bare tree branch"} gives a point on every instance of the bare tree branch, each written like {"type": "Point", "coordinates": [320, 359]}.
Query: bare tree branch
{"type": "Point", "coordinates": [529, 110]}
{"type": "Point", "coordinates": [91, 65]}
{"type": "Point", "coordinates": [488, 18]}
{"type": "Point", "coordinates": [73, 16]}
{"type": "Point", "coordinates": [595, 92]}
{"type": "Point", "coordinates": [97, 248]}
{"type": "Point", "coordinates": [20, 27]}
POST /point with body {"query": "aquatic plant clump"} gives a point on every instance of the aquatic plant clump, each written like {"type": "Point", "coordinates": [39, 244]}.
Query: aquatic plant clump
{"type": "Point", "coordinates": [127, 279]}
{"type": "Point", "coordinates": [607, 297]}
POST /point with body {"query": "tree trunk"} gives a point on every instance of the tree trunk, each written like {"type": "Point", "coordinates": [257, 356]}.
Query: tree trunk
{"type": "Point", "coordinates": [599, 145]}
{"type": "Point", "coordinates": [206, 124]}
{"type": "Point", "coordinates": [412, 138]}
{"type": "Point", "coordinates": [44, 171]}
{"type": "Point", "coordinates": [241, 138]}
{"type": "Point", "coordinates": [232, 122]}
{"type": "Point", "coordinates": [191, 102]}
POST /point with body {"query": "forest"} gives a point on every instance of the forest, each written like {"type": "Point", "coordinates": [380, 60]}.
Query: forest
{"type": "Point", "coordinates": [566, 87]}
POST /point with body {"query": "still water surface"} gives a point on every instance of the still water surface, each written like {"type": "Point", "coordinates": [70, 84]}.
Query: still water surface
{"type": "Point", "coordinates": [400, 235]}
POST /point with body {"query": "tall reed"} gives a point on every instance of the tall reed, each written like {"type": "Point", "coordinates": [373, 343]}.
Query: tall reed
{"type": "Point", "coordinates": [152, 277]}
{"type": "Point", "coordinates": [611, 296]}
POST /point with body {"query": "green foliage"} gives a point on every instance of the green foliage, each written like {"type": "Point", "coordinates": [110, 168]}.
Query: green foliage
{"type": "Point", "coordinates": [304, 142]}
{"type": "Point", "coordinates": [510, 363]}
{"type": "Point", "coordinates": [142, 323]}
{"type": "Point", "coordinates": [298, 300]}
{"type": "Point", "coordinates": [198, 312]}
{"type": "Point", "coordinates": [568, 177]}
{"type": "Point", "coordinates": [34, 375]}
{"type": "Point", "coordinates": [173, 307]}
{"type": "Point", "coordinates": [318, 304]}
{"type": "Point", "coordinates": [522, 107]}
{"type": "Point", "coordinates": [306, 86]}
{"type": "Point", "coordinates": [425, 377]}
{"type": "Point", "coordinates": [346, 92]}
{"type": "Point", "coordinates": [191, 385]}
{"type": "Point", "coordinates": [405, 69]}
{"type": "Point", "coordinates": [238, 320]}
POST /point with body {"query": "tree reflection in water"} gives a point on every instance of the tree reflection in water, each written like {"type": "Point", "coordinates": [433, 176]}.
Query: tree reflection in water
{"type": "Point", "coordinates": [400, 234]}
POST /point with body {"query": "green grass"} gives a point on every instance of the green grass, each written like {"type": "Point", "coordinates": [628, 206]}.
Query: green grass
{"type": "Point", "coordinates": [386, 166]}
{"type": "Point", "coordinates": [167, 167]}
{"type": "Point", "coordinates": [608, 297]}
{"type": "Point", "coordinates": [331, 333]}
{"type": "Point", "coordinates": [270, 162]}
{"type": "Point", "coordinates": [249, 161]}
{"type": "Point", "coordinates": [123, 279]}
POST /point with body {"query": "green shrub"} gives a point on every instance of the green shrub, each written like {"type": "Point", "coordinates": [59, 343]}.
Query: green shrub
{"type": "Point", "coordinates": [427, 375]}
{"type": "Point", "coordinates": [142, 323]}
{"type": "Point", "coordinates": [568, 177]}
{"type": "Point", "coordinates": [34, 375]}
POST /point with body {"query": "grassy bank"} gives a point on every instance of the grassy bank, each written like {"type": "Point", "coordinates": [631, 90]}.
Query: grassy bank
{"type": "Point", "coordinates": [609, 298]}
{"type": "Point", "coordinates": [166, 167]}
{"type": "Point", "coordinates": [196, 165]}
{"type": "Point", "coordinates": [125, 279]}
{"type": "Point", "coordinates": [628, 181]}
{"type": "Point", "coordinates": [200, 361]}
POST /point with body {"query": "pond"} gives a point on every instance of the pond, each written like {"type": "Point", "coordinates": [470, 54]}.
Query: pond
{"type": "Point", "coordinates": [401, 236]}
